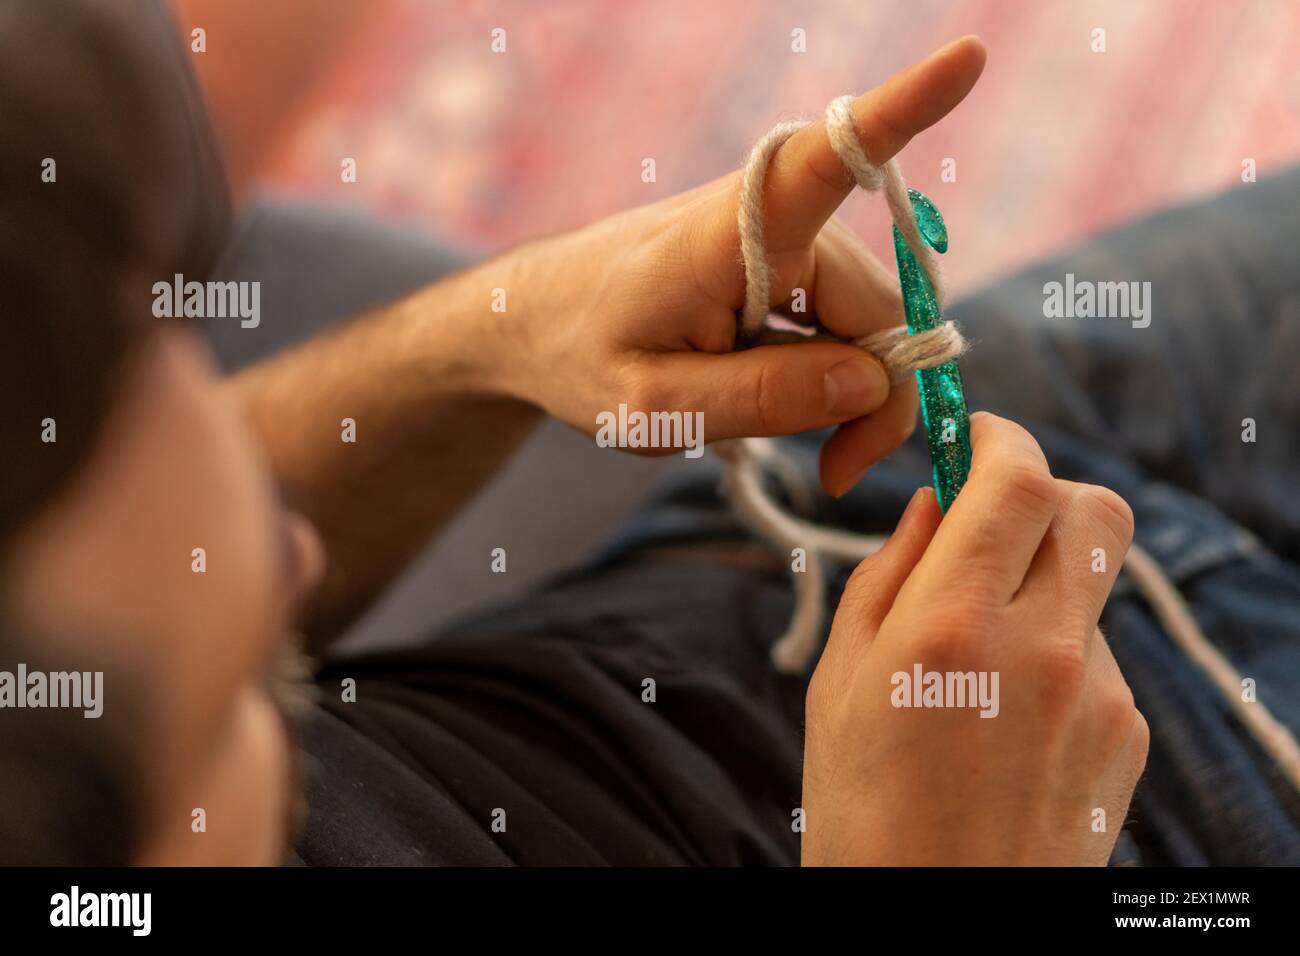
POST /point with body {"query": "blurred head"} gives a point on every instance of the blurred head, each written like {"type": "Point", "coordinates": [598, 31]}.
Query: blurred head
{"type": "Point", "coordinates": [149, 461]}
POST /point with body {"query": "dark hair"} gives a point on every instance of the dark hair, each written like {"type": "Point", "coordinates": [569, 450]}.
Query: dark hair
{"type": "Point", "coordinates": [107, 185]}
{"type": "Point", "coordinates": [98, 89]}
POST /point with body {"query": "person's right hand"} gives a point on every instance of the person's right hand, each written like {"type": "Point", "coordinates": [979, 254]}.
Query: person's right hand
{"type": "Point", "coordinates": [1004, 584]}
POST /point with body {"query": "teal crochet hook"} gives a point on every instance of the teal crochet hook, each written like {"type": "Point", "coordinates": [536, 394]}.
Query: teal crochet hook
{"type": "Point", "coordinates": [943, 400]}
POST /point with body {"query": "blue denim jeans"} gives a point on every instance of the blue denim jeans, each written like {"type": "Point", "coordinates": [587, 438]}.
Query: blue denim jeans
{"type": "Point", "coordinates": [1158, 414]}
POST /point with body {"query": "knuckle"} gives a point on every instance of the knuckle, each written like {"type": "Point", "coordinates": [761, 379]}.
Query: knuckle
{"type": "Point", "coordinates": [717, 337]}
{"type": "Point", "coordinates": [823, 700]}
{"type": "Point", "coordinates": [1108, 509]}
{"type": "Point", "coordinates": [707, 257]}
{"type": "Point", "coordinates": [1062, 667]}
{"type": "Point", "coordinates": [835, 178]}
{"type": "Point", "coordinates": [887, 126]}
{"type": "Point", "coordinates": [647, 393]}
{"type": "Point", "coordinates": [1116, 714]}
{"type": "Point", "coordinates": [1029, 490]}
{"type": "Point", "coordinates": [860, 595]}
{"type": "Point", "coordinates": [1141, 741]}
{"type": "Point", "coordinates": [768, 395]}
{"type": "Point", "coordinates": [861, 581]}
{"type": "Point", "coordinates": [950, 648]}
{"type": "Point", "coordinates": [992, 430]}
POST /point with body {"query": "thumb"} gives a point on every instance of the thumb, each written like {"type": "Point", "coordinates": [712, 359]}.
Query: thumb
{"type": "Point", "coordinates": [778, 389]}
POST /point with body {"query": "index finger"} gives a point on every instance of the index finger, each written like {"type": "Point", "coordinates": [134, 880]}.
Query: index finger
{"type": "Point", "coordinates": [988, 539]}
{"type": "Point", "coordinates": [806, 181]}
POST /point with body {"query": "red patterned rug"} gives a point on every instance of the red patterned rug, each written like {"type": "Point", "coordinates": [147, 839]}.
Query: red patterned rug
{"type": "Point", "coordinates": [1056, 141]}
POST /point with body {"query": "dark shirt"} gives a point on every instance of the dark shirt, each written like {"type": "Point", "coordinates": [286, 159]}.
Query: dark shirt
{"type": "Point", "coordinates": [537, 720]}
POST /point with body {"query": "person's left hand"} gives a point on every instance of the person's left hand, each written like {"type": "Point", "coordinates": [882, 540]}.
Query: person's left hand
{"type": "Point", "coordinates": [641, 308]}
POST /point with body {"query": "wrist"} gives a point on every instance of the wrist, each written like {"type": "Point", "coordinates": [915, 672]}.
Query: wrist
{"type": "Point", "coordinates": [478, 338]}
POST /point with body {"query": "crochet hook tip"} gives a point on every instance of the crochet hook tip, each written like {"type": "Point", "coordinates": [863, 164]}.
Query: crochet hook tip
{"type": "Point", "coordinates": [929, 221]}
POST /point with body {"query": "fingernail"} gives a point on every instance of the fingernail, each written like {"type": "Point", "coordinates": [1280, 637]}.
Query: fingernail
{"type": "Point", "coordinates": [909, 513]}
{"type": "Point", "coordinates": [853, 482]}
{"type": "Point", "coordinates": [855, 387]}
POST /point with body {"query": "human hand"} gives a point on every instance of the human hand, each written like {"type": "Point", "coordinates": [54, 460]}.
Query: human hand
{"type": "Point", "coordinates": [641, 308]}
{"type": "Point", "coordinates": [1003, 586]}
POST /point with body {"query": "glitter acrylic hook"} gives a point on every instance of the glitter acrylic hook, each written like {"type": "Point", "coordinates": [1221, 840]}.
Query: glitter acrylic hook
{"type": "Point", "coordinates": [943, 399]}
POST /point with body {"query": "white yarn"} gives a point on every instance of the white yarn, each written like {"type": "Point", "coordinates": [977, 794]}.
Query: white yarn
{"type": "Point", "coordinates": [842, 132]}
{"type": "Point", "coordinates": [758, 276]}
{"type": "Point", "coordinates": [1274, 737]}
{"type": "Point", "coordinates": [902, 354]}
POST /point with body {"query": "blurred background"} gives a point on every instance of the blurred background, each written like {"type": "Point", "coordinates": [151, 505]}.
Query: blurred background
{"type": "Point", "coordinates": [1058, 141]}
